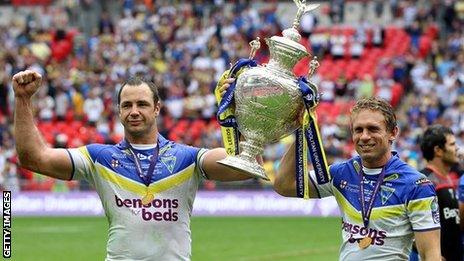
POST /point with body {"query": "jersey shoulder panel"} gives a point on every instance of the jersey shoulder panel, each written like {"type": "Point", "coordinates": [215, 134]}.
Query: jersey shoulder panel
{"type": "Point", "coordinates": [184, 154]}
{"type": "Point", "coordinates": [96, 151]}
{"type": "Point", "coordinates": [344, 169]}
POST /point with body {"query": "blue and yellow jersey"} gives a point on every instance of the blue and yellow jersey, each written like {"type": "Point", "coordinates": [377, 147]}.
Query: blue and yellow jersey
{"type": "Point", "coordinates": [155, 230]}
{"type": "Point", "coordinates": [406, 202]}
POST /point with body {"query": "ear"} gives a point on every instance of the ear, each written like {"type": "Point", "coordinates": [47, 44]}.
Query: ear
{"type": "Point", "coordinates": [437, 151]}
{"type": "Point", "coordinates": [394, 135]}
{"type": "Point", "coordinates": [157, 108]}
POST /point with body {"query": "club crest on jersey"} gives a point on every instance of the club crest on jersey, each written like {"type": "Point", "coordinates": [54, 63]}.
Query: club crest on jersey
{"type": "Point", "coordinates": [386, 193]}
{"type": "Point", "coordinates": [169, 162]}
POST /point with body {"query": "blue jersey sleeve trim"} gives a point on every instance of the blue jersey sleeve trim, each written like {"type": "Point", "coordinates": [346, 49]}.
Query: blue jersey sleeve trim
{"type": "Point", "coordinates": [73, 165]}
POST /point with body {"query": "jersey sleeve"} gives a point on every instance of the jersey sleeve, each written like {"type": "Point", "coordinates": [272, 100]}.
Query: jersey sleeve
{"type": "Point", "coordinates": [194, 155]}
{"type": "Point", "coordinates": [323, 190]}
{"type": "Point", "coordinates": [83, 160]}
{"type": "Point", "coordinates": [461, 190]}
{"type": "Point", "coordinates": [422, 206]}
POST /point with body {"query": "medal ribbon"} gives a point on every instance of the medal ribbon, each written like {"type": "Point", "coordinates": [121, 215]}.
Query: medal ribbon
{"type": "Point", "coordinates": [366, 212]}
{"type": "Point", "coordinates": [225, 114]}
{"type": "Point", "coordinates": [151, 168]}
{"type": "Point", "coordinates": [310, 133]}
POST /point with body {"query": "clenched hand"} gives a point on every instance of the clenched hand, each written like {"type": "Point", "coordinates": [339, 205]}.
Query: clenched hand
{"type": "Point", "coordinates": [26, 83]}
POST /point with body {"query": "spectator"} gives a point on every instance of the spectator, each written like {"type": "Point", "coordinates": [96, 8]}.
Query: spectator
{"type": "Point", "coordinates": [46, 105]}
{"type": "Point", "coordinates": [61, 45]}
{"type": "Point", "coordinates": [105, 25]}
{"type": "Point", "coordinates": [366, 88]}
{"type": "Point", "coordinates": [62, 104]}
{"type": "Point", "coordinates": [438, 146]}
{"type": "Point", "coordinates": [308, 23]}
{"type": "Point", "coordinates": [337, 11]}
{"type": "Point", "coordinates": [93, 107]}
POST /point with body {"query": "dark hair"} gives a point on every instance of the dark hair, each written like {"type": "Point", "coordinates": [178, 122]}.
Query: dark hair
{"type": "Point", "coordinates": [60, 34]}
{"type": "Point", "coordinates": [137, 81]}
{"type": "Point", "coordinates": [377, 104]}
{"type": "Point", "coordinates": [434, 135]}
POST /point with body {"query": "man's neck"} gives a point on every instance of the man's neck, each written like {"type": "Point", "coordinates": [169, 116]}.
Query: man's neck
{"type": "Point", "coordinates": [437, 165]}
{"type": "Point", "coordinates": [378, 163]}
{"type": "Point", "coordinates": [151, 138]}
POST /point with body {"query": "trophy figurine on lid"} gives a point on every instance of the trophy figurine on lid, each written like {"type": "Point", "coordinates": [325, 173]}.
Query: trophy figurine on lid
{"type": "Point", "coordinates": [270, 102]}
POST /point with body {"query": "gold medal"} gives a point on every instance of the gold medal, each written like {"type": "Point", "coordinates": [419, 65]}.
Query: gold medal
{"type": "Point", "coordinates": [365, 242]}
{"type": "Point", "coordinates": [147, 198]}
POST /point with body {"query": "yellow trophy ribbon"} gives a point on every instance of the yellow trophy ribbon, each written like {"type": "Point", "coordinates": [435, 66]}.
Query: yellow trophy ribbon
{"type": "Point", "coordinates": [228, 133]}
{"type": "Point", "coordinates": [306, 120]}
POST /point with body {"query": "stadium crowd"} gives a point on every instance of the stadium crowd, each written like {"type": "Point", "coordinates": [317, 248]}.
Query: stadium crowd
{"type": "Point", "coordinates": [416, 61]}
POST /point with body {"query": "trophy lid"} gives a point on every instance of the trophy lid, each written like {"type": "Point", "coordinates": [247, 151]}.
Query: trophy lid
{"type": "Point", "coordinates": [291, 37]}
{"type": "Point", "coordinates": [289, 43]}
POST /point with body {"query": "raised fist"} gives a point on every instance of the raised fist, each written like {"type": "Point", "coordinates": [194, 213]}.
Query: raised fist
{"type": "Point", "coordinates": [26, 83]}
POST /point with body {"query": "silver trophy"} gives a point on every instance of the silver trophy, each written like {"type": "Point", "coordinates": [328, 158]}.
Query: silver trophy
{"type": "Point", "coordinates": [268, 102]}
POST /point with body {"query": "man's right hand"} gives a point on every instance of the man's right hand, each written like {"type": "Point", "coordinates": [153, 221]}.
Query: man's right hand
{"type": "Point", "coordinates": [26, 83]}
{"type": "Point", "coordinates": [225, 85]}
{"type": "Point", "coordinates": [33, 153]}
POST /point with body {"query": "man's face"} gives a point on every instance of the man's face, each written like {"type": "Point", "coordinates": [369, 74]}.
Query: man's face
{"type": "Point", "coordinates": [450, 156]}
{"type": "Point", "coordinates": [137, 110]}
{"type": "Point", "coordinates": [371, 139]}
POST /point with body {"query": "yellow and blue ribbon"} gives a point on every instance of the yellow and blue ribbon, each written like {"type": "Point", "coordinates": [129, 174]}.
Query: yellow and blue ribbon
{"type": "Point", "coordinates": [309, 133]}
{"type": "Point", "coordinates": [226, 114]}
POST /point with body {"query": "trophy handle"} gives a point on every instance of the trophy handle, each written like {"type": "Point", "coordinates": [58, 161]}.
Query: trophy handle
{"type": "Point", "coordinates": [313, 65]}
{"type": "Point", "coordinates": [255, 45]}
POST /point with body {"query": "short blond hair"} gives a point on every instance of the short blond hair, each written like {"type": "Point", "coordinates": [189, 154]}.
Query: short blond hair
{"type": "Point", "coordinates": [376, 104]}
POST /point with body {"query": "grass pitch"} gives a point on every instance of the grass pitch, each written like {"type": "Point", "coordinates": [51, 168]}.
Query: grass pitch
{"type": "Point", "coordinates": [213, 238]}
